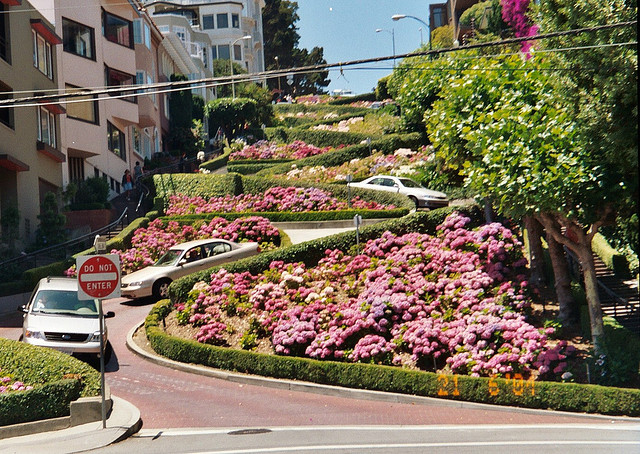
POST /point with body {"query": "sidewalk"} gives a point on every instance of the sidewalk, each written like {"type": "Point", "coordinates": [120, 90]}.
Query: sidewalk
{"type": "Point", "coordinates": [123, 421]}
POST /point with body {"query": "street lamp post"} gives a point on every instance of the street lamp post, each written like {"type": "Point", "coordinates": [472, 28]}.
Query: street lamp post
{"type": "Point", "coordinates": [397, 17]}
{"type": "Point", "coordinates": [278, 65]}
{"type": "Point", "coordinates": [393, 42]}
{"type": "Point", "coordinates": [233, 87]}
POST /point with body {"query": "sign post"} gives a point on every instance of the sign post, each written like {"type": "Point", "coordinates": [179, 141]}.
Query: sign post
{"type": "Point", "coordinates": [357, 220]}
{"type": "Point", "coordinates": [99, 278]}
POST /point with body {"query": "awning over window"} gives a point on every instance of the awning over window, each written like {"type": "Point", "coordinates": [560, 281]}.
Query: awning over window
{"type": "Point", "coordinates": [51, 152]}
{"type": "Point", "coordinates": [45, 31]}
{"type": "Point", "coordinates": [55, 109]}
{"type": "Point", "coordinates": [11, 2]}
{"type": "Point", "coordinates": [9, 162]}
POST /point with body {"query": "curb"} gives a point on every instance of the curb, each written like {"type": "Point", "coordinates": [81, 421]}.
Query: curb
{"type": "Point", "coordinates": [338, 391]}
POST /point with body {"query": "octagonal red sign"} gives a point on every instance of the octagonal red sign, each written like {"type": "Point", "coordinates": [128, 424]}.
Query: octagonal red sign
{"type": "Point", "coordinates": [98, 276]}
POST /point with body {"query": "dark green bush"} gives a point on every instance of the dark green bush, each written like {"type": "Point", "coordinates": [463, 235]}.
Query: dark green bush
{"type": "Point", "coordinates": [319, 109]}
{"type": "Point", "coordinates": [546, 395]}
{"type": "Point", "coordinates": [51, 400]}
{"type": "Point", "coordinates": [218, 162]}
{"type": "Point", "coordinates": [196, 185]}
{"type": "Point", "coordinates": [248, 167]}
{"type": "Point", "coordinates": [348, 100]}
{"type": "Point", "coordinates": [37, 366]}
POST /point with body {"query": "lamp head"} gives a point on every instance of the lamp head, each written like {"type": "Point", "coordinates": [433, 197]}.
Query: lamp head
{"type": "Point", "coordinates": [398, 16]}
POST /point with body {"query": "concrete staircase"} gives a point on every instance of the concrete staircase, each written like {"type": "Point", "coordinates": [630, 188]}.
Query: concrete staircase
{"type": "Point", "coordinates": [619, 297]}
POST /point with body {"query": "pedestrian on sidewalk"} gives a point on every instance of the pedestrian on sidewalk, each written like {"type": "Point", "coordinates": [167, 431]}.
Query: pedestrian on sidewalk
{"type": "Point", "coordinates": [127, 183]}
{"type": "Point", "coordinates": [137, 176]}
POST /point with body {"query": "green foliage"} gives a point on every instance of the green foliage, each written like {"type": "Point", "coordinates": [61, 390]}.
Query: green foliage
{"type": "Point", "coordinates": [349, 100]}
{"type": "Point", "coordinates": [442, 37]}
{"type": "Point", "coordinates": [382, 89]}
{"type": "Point", "coordinates": [218, 162]}
{"type": "Point", "coordinates": [231, 115]}
{"type": "Point", "coordinates": [184, 134]}
{"type": "Point", "coordinates": [196, 184]}
{"type": "Point", "coordinates": [281, 49]}
{"type": "Point", "coordinates": [92, 193]}
{"type": "Point", "coordinates": [51, 230]}
{"type": "Point", "coordinates": [547, 395]}
{"type": "Point", "coordinates": [248, 167]}
{"type": "Point", "coordinates": [37, 366]}
{"type": "Point", "coordinates": [10, 224]}
{"type": "Point", "coordinates": [262, 97]}
{"type": "Point", "coordinates": [51, 400]}
{"type": "Point", "coordinates": [619, 365]}
{"type": "Point", "coordinates": [317, 138]}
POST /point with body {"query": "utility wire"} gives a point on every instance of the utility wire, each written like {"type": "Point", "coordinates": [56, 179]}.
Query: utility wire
{"type": "Point", "coordinates": [130, 90]}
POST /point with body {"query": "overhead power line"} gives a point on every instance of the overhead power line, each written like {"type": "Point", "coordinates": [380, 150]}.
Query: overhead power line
{"type": "Point", "coordinates": [162, 87]}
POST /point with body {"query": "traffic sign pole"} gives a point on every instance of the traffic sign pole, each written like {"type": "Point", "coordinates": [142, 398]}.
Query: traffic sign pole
{"type": "Point", "coordinates": [99, 278]}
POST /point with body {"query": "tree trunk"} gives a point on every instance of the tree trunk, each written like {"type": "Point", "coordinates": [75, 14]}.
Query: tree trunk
{"type": "Point", "coordinates": [534, 231]}
{"type": "Point", "coordinates": [568, 309]}
{"type": "Point", "coordinates": [579, 242]}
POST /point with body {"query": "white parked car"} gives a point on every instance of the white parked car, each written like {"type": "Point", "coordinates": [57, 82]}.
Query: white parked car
{"type": "Point", "coordinates": [55, 318]}
{"type": "Point", "coordinates": [180, 260]}
{"type": "Point", "coordinates": [421, 196]}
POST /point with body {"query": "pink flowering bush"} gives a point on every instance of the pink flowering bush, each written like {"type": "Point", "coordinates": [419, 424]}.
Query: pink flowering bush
{"type": "Point", "coordinates": [458, 299]}
{"type": "Point", "coordinates": [149, 244]}
{"type": "Point", "coordinates": [273, 199]}
{"type": "Point", "coordinates": [514, 13]}
{"type": "Point", "coordinates": [8, 384]}
{"type": "Point", "coordinates": [271, 150]}
{"type": "Point", "coordinates": [402, 162]}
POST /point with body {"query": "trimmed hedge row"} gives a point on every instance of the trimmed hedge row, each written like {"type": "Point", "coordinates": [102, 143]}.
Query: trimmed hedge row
{"type": "Point", "coordinates": [218, 162]}
{"type": "Point", "coordinates": [52, 400]}
{"type": "Point", "coordinates": [317, 138]}
{"type": "Point", "coordinates": [387, 144]}
{"type": "Point", "coordinates": [250, 166]}
{"type": "Point", "coordinates": [195, 185]}
{"type": "Point", "coordinates": [614, 260]}
{"type": "Point", "coordinates": [320, 109]}
{"type": "Point", "coordinates": [517, 392]}
{"type": "Point", "coordinates": [44, 369]}
{"type": "Point", "coordinates": [311, 252]}
{"type": "Point", "coordinates": [308, 122]}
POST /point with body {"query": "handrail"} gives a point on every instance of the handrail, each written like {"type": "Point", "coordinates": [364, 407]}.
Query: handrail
{"type": "Point", "coordinates": [66, 244]}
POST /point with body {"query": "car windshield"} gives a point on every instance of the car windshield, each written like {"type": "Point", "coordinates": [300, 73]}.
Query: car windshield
{"type": "Point", "coordinates": [170, 258]}
{"type": "Point", "coordinates": [63, 302]}
{"type": "Point", "coordinates": [407, 183]}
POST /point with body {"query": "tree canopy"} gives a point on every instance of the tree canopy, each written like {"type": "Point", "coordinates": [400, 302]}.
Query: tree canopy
{"type": "Point", "coordinates": [281, 49]}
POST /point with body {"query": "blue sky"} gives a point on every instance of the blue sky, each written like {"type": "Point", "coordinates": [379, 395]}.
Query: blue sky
{"type": "Point", "coordinates": [346, 29]}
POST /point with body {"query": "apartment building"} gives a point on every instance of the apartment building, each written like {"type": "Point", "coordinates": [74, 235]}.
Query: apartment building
{"type": "Point", "coordinates": [31, 159]}
{"type": "Point", "coordinates": [449, 13]}
{"type": "Point", "coordinates": [226, 23]}
{"type": "Point", "coordinates": [114, 44]}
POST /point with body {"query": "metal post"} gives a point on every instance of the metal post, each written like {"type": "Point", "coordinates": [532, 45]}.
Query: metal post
{"type": "Point", "coordinates": [102, 349]}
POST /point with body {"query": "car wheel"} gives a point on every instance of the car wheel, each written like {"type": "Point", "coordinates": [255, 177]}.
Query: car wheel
{"type": "Point", "coordinates": [161, 289]}
{"type": "Point", "coordinates": [414, 200]}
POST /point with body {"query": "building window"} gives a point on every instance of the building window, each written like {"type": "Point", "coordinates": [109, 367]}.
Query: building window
{"type": "Point", "coordinates": [116, 141]}
{"type": "Point", "coordinates": [150, 82]}
{"type": "Point", "coordinates": [181, 32]}
{"type": "Point", "coordinates": [220, 52]}
{"type": "Point", "coordinates": [207, 22]}
{"type": "Point", "coordinates": [5, 53]}
{"type": "Point", "coordinates": [115, 78]}
{"type": "Point", "coordinates": [235, 20]}
{"type": "Point", "coordinates": [6, 114]}
{"type": "Point", "coordinates": [135, 140]}
{"type": "Point", "coordinates": [84, 111]}
{"type": "Point", "coordinates": [117, 30]}
{"type": "Point", "coordinates": [237, 52]}
{"type": "Point", "coordinates": [46, 127]}
{"type": "Point", "coordinates": [222, 20]}
{"type": "Point", "coordinates": [42, 55]}
{"type": "Point", "coordinates": [78, 39]}
{"type": "Point", "coordinates": [76, 169]}
{"type": "Point", "coordinates": [205, 59]}
{"type": "Point", "coordinates": [438, 17]}
{"type": "Point", "coordinates": [164, 28]}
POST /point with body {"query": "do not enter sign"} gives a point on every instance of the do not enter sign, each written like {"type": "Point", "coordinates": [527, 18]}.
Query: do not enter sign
{"type": "Point", "coordinates": [98, 276]}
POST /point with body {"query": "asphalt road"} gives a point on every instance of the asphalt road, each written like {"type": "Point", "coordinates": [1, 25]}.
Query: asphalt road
{"type": "Point", "coordinates": [550, 439]}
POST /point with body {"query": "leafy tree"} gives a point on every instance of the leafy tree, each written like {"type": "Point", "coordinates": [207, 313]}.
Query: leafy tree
{"type": "Point", "coordinates": [262, 97]}
{"type": "Point", "coordinates": [232, 115]}
{"type": "Point", "coordinates": [51, 230]}
{"type": "Point", "coordinates": [222, 68]}
{"type": "Point", "coordinates": [183, 136]}
{"type": "Point", "coordinates": [10, 224]}
{"type": "Point", "coordinates": [92, 193]}
{"type": "Point", "coordinates": [281, 40]}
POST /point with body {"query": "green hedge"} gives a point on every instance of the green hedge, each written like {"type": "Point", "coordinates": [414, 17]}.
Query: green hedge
{"type": "Point", "coordinates": [545, 395]}
{"type": "Point", "coordinates": [195, 185]}
{"type": "Point", "coordinates": [320, 109]}
{"type": "Point", "coordinates": [311, 252]}
{"type": "Point", "coordinates": [52, 400]}
{"type": "Point", "coordinates": [44, 369]}
{"type": "Point", "coordinates": [386, 145]}
{"type": "Point", "coordinates": [346, 100]}
{"type": "Point", "coordinates": [614, 260]}
{"type": "Point", "coordinates": [250, 166]}
{"type": "Point", "coordinates": [218, 162]}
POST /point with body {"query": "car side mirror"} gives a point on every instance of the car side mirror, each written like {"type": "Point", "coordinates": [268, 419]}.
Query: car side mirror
{"type": "Point", "coordinates": [22, 308]}
{"type": "Point", "coordinates": [110, 314]}
{"type": "Point", "coordinates": [182, 262]}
